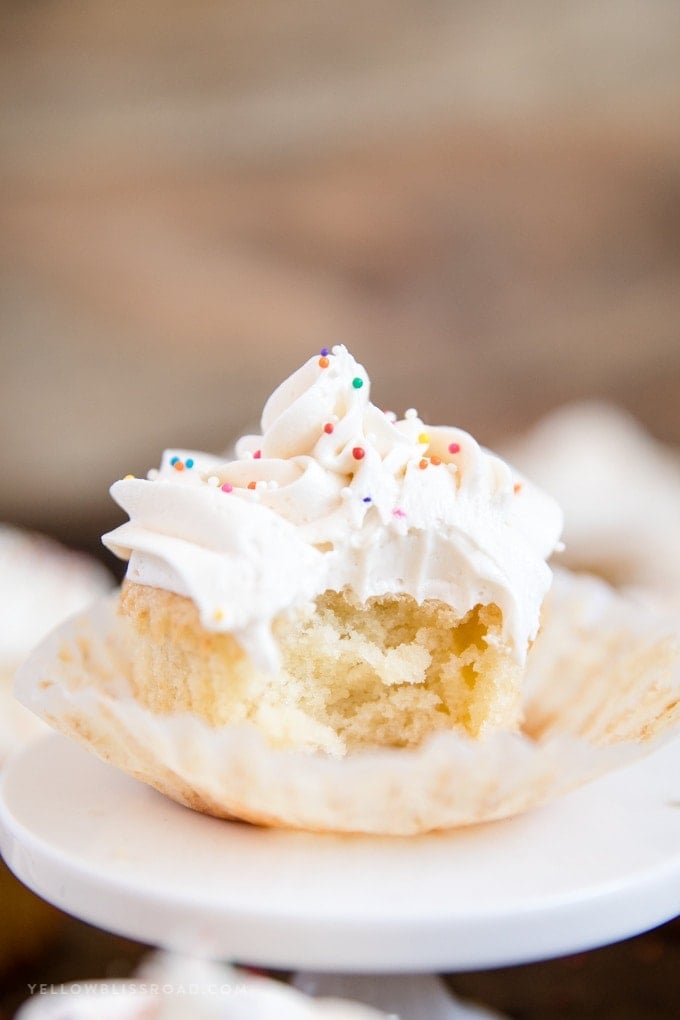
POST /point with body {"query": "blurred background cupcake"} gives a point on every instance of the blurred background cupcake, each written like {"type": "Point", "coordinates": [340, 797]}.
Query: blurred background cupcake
{"type": "Point", "coordinates": [41, 584]}
{"type": "Point", "coordinates": [167, 986]}
{"type": "Point", "coordinates": [620, 492]}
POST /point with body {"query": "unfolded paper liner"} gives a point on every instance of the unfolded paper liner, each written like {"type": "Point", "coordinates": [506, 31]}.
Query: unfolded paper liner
{"type": "Point", "coordinates": [602, 688]}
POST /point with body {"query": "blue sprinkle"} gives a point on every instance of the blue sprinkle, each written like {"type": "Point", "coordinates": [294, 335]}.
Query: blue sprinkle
{"type": "Point", "coordinates": [367, 499]}
{"type": "Point", "coordinates": [189, 462]}
{"type": "Point", "coordinates": [324, 352]}
{"type": "Point", "coordinates": [174, 460]}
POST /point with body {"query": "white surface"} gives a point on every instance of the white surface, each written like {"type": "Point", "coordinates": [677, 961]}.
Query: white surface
{"type": "Point", "coordinates": [599, 865]}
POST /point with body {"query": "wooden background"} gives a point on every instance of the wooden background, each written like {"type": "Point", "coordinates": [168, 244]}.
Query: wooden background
{"type": "Point", "coordinates": [482, 200]}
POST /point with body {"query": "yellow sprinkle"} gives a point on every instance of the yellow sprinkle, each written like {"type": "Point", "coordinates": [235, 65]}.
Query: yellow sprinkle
{"type": "Point", "coordinates": [128, 477]}
{"type": "Point", "coordinates": [423, 437]}
{"type": "Point", "coordinates": [218, 615]}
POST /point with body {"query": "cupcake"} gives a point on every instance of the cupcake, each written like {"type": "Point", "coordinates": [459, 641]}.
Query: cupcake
{"type": "Point", "coordinates": [349, 626]}
{"type": "Point", "coordinates": [347, 581]}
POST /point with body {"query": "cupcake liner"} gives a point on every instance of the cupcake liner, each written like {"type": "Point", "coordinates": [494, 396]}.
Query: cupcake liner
{"type": "Point", "coordinates": [602, 688]}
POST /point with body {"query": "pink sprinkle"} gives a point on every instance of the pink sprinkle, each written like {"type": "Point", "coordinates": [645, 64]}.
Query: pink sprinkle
{"type": "Point", "coordinates": [227, 487]}
{"type": "Point", "coordinates": [454, 447]}
{"type": "Point", "coordinates": [257, 454]}
{"type": "Point", "coordinates": [399, 512]}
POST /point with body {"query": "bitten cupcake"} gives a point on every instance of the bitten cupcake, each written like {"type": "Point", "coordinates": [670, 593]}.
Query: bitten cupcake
{"type": "Point", "coordinates": [347, 581]}
{"type": "Point", "coordinates": [350, 626]}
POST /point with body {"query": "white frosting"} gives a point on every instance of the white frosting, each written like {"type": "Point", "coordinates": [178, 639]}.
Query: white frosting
{"type": "Point", "coordinates": [343, 496]}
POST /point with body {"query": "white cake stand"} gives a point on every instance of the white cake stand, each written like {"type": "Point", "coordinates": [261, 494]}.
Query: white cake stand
{"type": "Point", "coordinates": [599, 865]}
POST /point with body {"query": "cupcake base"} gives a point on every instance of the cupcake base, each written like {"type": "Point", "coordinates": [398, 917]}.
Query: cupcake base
{"type": "Point", "coordinates": [385, 673]}
{"type": "Point", "coordinates": [602, 688]}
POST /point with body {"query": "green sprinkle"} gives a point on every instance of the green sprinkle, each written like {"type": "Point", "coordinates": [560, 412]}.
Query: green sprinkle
{"type": "Point", "coordinates": [357, 383]}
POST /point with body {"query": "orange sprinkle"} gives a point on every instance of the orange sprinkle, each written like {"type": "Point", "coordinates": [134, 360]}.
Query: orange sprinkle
{"type": "Point", "coordinates": [324, 362]}
{"type": "Point", "coordinates": [251, 485]}
{"type": "Point", "coordinates": [179, 466]}
{"type": "Point", "coordinates": [517, 487]}
{"type": "Point", "coordinates": [435, 460]}
{"type": "Point", "coordinates": [423, 463]}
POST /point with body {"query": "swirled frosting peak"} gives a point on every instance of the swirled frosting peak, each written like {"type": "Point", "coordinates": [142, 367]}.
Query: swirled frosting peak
{"type": "Point", "coordinates": [335, 493]}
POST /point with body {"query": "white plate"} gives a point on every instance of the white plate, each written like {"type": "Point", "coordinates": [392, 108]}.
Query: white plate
{"type": "Point", "coordinates": [599, 865]}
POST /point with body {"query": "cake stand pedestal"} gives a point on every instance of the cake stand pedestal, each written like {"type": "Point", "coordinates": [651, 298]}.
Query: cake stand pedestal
{"type": "Point", "coordinates": [599, 865]}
